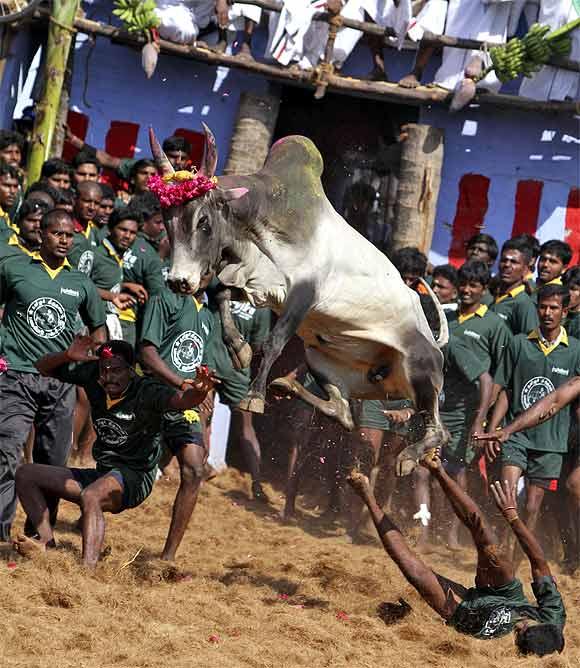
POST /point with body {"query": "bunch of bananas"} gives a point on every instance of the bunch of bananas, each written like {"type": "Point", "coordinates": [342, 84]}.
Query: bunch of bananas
{"type": "Point", "coordinates": [528, 55]}
{"type": "Point", "coordinates": [137, 15]}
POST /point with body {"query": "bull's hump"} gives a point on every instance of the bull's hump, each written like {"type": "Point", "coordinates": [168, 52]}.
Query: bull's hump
{"type": "Point", "coordinates": [294, 152]}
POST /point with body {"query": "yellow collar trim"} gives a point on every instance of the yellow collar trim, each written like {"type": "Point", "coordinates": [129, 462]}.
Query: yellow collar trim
{"type": "Point", "coordinates": [53, 273]}
{"type": "Point", "coordinates": [535, 335]}
{"type": "Point", "coordinates": [113, 402]}
{"type": "Point", "coordinates": [14, 241]}
{"type": "Point", "coordinates": [481, 311]}
{"type": "Point", "coordinates": [112, 252]}
{"type": "Point", "coordinates": [198, 305]}
{"type": "Point", "coordinates": [555, 281]}
{"type": "Point", "coordinates": [514, 292]}
{"type": "Point", "coordinates": [87, 231]}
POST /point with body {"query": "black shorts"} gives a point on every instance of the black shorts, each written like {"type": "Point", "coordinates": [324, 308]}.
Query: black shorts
{"type": "Point", "coordinates": [136, 485]}
{"type": "Point", "coordinates": [180, 428]}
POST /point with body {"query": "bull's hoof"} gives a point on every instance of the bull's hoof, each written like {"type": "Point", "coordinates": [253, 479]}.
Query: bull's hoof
{"type": "Point", "coordinates": [240, 354]}
{"type": "Point", "coordinates": [283, 387]}
{"type": "Point", "coordinates": [254, 403]}
{"type": "Point", "coordinates": [404, 467]}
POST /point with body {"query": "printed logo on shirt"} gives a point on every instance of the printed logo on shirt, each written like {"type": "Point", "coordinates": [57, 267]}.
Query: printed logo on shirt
{"type": "Point", "coordinates": [243, 310]}
{"type": "Point", "coordinates": [86, 262]}
{"type": "Point", "coordinates": [503, 316]}
{"type": "Point", "coordinates": [187, 351]}
{"type": "Point", "coordinates": [125, 416]}
{"type": "Point", "coordinates": [498, 623]}
{"type": "Point", "coordinates": [68, 291]}
{"type": "Point", "coordinates": [110, 433]}
{"type": "Point", "coordinates": [560, 371]}
{"type": "Point", "coordinates": [472, 334]}
{"type": "Point", "coordinates": [129, 259]}
{"type": "Point", "coordinates": [205, 329]}
{"type": "Point", "coordinates": [535, 389]}
{"type": "Point", "coordinates": [46, 317]}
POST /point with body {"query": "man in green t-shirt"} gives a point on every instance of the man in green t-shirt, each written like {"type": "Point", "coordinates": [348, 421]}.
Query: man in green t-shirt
{"type": "Point", "coordinates": [152, 229]}
{"type": "Point", "coordinates": [512, 303]}
{"type": "Point", "coordinates": [27, 240]}
{"type": "Point", "coordinates": [126, 411]}
{"type": "Point", "coordinates": [496, 605]}
{"type": "Point", "coordinates": [86, 237]}
{"type": "Point", "coordinates": [571, 280]}
{"type": "Point", "coordinates": [9, 189]}
{"type": "Point", "coordinates": [533, 366]}
{"type": "Point", "coordinates": [43, 296]}
{"type": "Point", "coordinates": [176, 330]}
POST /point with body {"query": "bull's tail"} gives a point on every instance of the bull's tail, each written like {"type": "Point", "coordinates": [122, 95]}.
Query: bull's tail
{"type": "Point", "coordinates": [443, 336]}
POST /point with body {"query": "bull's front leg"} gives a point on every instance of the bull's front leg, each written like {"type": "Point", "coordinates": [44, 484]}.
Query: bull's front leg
{"type": "Point", "coordinates": [240, 350]}
{"type": "Point", "coordinates": [299, 301]}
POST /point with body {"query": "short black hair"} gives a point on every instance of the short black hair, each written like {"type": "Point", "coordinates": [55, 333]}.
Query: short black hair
{"type": "Point", "coordinates": [9, 137]}
{"type": "Point", "coordinates": [108, 192]}
{"type": "Point", "coordinates": [541, 640]}
{"type": "Point", "coordinates": [531, 241]}
{"type": "Point", "coordinates": [49, 216]}
{"type": "Point", "coordinates": [42, 187]}
{"type": "Point", "coordinates": [558, 248]}
{"type": "Point", "coordinates": [410, 260]}
{"type": "Point", "coordinates": [486, 239]}
{"type": "Point", "coordinates": [124, 213]}
{"type": "Point", "coordinates": [54, 166]}
{"type": "Point", "coordinates": [147, 204]}
{"type": "Point", "coordinates": [571, 277]}
{"type": "Point", "coordinates": [474, 271]}
{"type": "Point", "coordinates": [447, 271]}
{"type": "Point", "coordinates": [175, 143]}
{"type": "Point", "coordinates": [32, 206]}
{"type": "Point", "coordinates": [554, 290]}
{"type": "Point", "coordinates": [64, 196]}
{"type": "Point", "coordinates": [86, 156]}
{"type": "Point", "coordinates": [121, 348]}
{"type": "Point", "coordinates": [139, 165]}
{"type": "Point", "coordinates": [521, 246]}
{"type": "Point", "coordinates": [8, 170]}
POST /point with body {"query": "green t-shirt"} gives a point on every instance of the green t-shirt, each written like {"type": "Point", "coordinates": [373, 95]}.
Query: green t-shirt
{"type": "Point", "coordinates": [462, 369]}
{"type": "Point", "coordinates": [142, 265]}
{"type": "Point", "coordinates": [487, 612]}
{"type": "Point", "coordinates": [528, 376]}
{"type": "Point", "coordinates": [572, 324]}
{"type": "Point", "coordinates": [107, 272]}
{"type": "Point", "coordinates": [11, 247]}
{"type": "Point", "coordinates": [82, 253]}
{"type": "Point", "coordinates": [517, 310]}
{"type": "Point", "coordinates": [127, 432]}
{"type": "Point", "coordinates": [40, 312]}
{"type": "Point", "coordinates": [154, 243]}
{"type": "Point", "coordinates": [179, 329]}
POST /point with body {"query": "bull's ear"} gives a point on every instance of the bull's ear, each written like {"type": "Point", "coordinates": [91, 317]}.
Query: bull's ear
{"type": "Point", "coordinates": [210, 154]}
{"type": "Point", "coordinates": [234, 193]}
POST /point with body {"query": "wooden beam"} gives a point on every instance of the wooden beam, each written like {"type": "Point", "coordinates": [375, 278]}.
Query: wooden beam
{"type": "Point", "coordinates": [379, 90]}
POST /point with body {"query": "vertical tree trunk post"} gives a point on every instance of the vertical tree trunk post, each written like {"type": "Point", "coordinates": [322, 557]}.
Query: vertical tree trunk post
{"type": "Point", "coordinates": [58, 136]}
{"type": "Point", "coordinates": [60, 34]}
{"type": "Point", "coordinates": [418, 190]}
{"type": "Point", "coordinates": [257, 115]}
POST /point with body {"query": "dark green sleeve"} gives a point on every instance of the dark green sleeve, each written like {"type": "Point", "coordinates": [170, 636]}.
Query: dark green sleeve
{"type": "Point", "coordinates": [125, 167]}
{"type": "Point", "coordinates": [155, 396]}
{"type": "Point", "coordinates": [505, 370]}
{"type": "Point", "coordinates": [83, 374]}
{"type": "Point", "coordinates": [550, 605]}
{"type": "Point", "coordinates": [525, 317]}
{"type": "Point", "coordinates": [92, 309]}
{"type": "Point", "coordinates": [462, 357]}
{"type": "Point", "coordinates": [3, 284]}
{"type": "Point", "coordinates": [261, 325]}
{"type": "Point", "coordinates": [155, 319]}
{"type": "Point", "coordinates": [153, 280]}
{"type": "Point", "coordinates": [500, 340]}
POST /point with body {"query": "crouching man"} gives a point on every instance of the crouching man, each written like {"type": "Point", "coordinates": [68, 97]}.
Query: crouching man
{"type": "Point", "coordinates": [497, 604]}
{"type": "Point", "coordinates": [126, 411]}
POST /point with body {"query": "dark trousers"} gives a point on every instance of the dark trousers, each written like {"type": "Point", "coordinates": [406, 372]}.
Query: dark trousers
{"type": "Point", "coordinates": [28, 399]}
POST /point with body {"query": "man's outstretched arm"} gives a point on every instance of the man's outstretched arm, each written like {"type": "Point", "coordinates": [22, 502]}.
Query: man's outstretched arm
{"type": "Point", "coordinates": [506, 501]}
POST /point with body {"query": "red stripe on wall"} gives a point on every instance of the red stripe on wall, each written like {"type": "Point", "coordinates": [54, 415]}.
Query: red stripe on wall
{"type": "Point", "coordinates": [527, 207]}
{"type": "Point", "coordinates": [79, 124]}
{"type": "Point", "coordinates": [471, 209]}
{"type": "Point", "coordinates": [572, 224]}
{"type": "Point", "coordinates": [120, 142]}
{"type": "Point", "coordinates": [196, 140]}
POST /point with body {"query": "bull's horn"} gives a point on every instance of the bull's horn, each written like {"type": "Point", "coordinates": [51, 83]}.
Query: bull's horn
{"type": "Point", "coordinates": [210, 155]}
{"type": "Point", "coordinates": [161, 160]}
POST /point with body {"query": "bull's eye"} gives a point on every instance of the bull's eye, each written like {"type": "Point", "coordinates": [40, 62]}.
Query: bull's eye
{"type": "Point", "coordinates": [203, 225]}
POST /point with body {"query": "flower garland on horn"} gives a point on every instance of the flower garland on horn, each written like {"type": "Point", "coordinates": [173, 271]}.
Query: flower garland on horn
{"type": "Point", "coordinates": [180, 187]}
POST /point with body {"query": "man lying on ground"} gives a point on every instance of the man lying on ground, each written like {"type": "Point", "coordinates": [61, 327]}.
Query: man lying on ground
{"type": "Point", "coordinates": [126, 411]}
{"type": "Point", "coordinates": [496, 605]}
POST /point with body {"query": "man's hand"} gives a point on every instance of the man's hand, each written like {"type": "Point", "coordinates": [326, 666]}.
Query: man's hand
{"type": "Point", "coordinates": [223, 13]}
{"type": "Point", "coordinates": [137, 290]}
{"type": "Point", "coordinates": [334, 6]}
{"type": "Point", "coordinates": [82, 349]}
{"type": "Point", "coordinates": [123, 301]}
{"type": "Point", "coordinates": [505, 498]}
{"type": "Point", "coordinates": [203, 382]}
{"type": "Point", "coordinates": [75, 141]}
{"type": "Point", "coordinates": [492, 442]}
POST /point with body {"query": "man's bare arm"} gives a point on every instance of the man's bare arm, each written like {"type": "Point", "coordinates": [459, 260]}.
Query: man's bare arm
{"type": "Point", "coordinates": [152, 360]}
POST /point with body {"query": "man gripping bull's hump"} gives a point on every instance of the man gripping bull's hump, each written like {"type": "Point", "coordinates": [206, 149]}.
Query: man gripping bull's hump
{"type": "Point", "coordinates": [276, 237]}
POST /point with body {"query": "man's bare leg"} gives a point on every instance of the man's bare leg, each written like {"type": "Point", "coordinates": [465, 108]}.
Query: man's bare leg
{"type": "Point", "coordinates": [453, 537]}
{"type": "Point", "coordinates": [103, 495]}
{"type": "Point", "coordinates": [245, 51]}
{"type": "Point", "coordinates": [251, 451]}
{"type": "Point", "coordinates": [413, 79]}
{"type": "Point", "coordinates": [573, 501]}
{"type": "Point", "coordinates": [299, 449]}
{"type": "Point", "coordinates": [33, 483]}
{"type": "Point", "coordinates": [191, 460]}
{"type": "Point", "coordinates": [367, 444]}
{"type": "Point", "coordinates": [512, 474]}
{"type": "Point", "coordinates": [411, 566]}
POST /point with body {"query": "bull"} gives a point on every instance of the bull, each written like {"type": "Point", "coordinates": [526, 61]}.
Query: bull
{"type": "Point", "coordinates": [275, 236]}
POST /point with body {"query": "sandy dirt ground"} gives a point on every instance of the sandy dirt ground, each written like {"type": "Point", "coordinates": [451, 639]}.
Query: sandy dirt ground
{"type": "Point", "coordinates": [261, 594]}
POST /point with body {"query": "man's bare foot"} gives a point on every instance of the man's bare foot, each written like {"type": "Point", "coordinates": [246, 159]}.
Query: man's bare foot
{"type": "Point", "coordinates": [431, 460]}
{"type": "Point", "coordinates": [410, 81]}
{"type": "Point", "coordinates": [359, 482]}
{"type": "Point", "coordinates": [288, 516]}
{"type": "Point", "coordinates": [258, 493]}
{"type": "Point", "coordinates": [376, 74]}
{"type": "Point", "coordinates": [245, 52]}
{"type": "Point", "coordinates": [28, 547]}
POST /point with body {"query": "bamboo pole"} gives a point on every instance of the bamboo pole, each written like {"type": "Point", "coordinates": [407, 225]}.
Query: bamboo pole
{"type": "Point", "coordinates": [60, 33]}
{"type": "Point", "coordinates": [378, 90]}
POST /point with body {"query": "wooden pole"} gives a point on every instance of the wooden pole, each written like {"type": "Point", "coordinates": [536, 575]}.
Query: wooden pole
{"type": "Point", "coordinates": [58, 136]}
{"type": "Point", "coordinates": [60, 32]}
{"type": "Point", "coordinates": [419, 181]}
{"type": "Point", "coordinates": [257, 116]}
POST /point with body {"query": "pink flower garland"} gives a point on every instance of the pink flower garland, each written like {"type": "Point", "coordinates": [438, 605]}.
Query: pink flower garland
{"type": "Point", "coordinates": [171, 193]}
